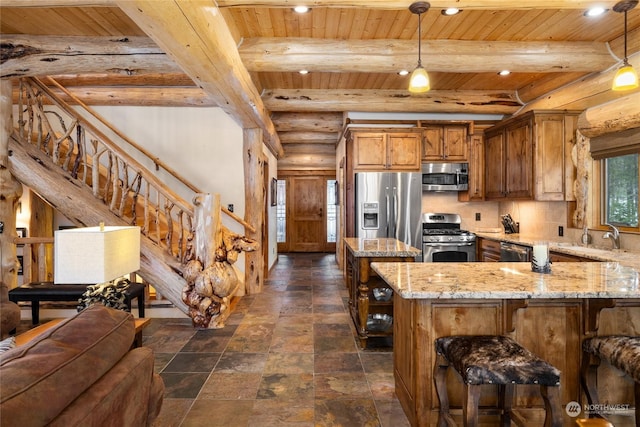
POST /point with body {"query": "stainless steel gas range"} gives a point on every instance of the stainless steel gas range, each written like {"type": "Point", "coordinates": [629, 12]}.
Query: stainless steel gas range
{"type": "Point", "coordinates": [444, 241]}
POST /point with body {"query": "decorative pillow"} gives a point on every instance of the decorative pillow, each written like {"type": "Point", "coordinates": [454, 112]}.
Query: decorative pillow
{"type": "Point", "coordinates": [107, 294]}
{"type": "Point", "coordinates": [7, 344]}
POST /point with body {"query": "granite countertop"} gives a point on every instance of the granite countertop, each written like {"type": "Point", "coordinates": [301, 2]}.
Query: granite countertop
{"type": "Point", "coordinates": [625, 257]}
{"type": "Point", "coordinates": [509, 280]}
{"type": "Point", "coordinates": [380, 247]}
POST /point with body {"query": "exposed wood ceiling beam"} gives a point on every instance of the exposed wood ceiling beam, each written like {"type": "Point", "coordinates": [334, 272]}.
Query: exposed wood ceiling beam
{"type": "Point", "coordinates": [35, 55]}
{"type": "Point", "coordinates": [318, 122]}
{"type": "Point", "coordinates": [31, 55]}
{"type": "Point", "coordinates": [369, 4]}
{"type": "Point", "coordinates": [391, 56]}
{"type": "Point", "coordinates": [440, 101]}
{"type": "Point", "coordinates": [594, 89]}
{"type": "Point", "coordinates": [139, 96]}
{"type": "Point", "coordinates": [310, 137]}
{"type": "Point", "coordinates": [196, 36]}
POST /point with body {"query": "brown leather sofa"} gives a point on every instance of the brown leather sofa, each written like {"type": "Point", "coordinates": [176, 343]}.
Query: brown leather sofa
{"type": "Point", "coordinates": [81, 372]}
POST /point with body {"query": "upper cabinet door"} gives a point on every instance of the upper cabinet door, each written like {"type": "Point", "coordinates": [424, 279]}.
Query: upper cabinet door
{"type": "Point", "coordinates": [456, 147]}
{"type": "Point", "coordinates": [519, 155]}
{"type": "Point", "coordinates": [370, 151]}
{"type": "Point", "coordinates": [445, 143]}
{"type": "Point", "coordinates": [375, 151]}
{"type": "Point", "coordinates": [404, 151]}
{"type": "Point", "coordinates": [433, 143]}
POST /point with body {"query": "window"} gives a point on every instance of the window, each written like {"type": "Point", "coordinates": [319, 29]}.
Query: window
{"type": "Point", "coordinates": [620, 191]}
{"type": "Point", "coordinates": [332, 214]}
{"type": "Point", "coordinates": [281, 211]}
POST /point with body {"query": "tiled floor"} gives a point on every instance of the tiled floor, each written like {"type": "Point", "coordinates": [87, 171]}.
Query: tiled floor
{"type": "Point", "coordinates": [287, 357]}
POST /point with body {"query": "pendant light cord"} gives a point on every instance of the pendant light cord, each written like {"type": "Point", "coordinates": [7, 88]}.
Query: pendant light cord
{"type": "Point", "coordinates": [420, 40]}
{"type": "Point", "coordinates": [626, 62]}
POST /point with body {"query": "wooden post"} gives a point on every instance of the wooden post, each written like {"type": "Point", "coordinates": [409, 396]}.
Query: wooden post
{"type": "Point", "coordinates": [10, 191]}
{"type": "Point", "coordinates": [254, 207]}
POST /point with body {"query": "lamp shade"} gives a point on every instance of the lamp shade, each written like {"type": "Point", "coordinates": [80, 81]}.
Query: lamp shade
{"type": "Point", "coordinates": [94, 255]}
{"type": "Point", "coordinates": [626, 78]}
{"type": "Point", "coordinates": [419, 81]}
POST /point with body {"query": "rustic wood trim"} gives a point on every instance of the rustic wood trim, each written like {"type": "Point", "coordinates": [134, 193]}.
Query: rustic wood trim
{"type": "Point", "coordinates": [255, 199]}
{"type": "Point", "coordinates": [509, 313]}
{"type": "Point", "coordinates": [591, 313]}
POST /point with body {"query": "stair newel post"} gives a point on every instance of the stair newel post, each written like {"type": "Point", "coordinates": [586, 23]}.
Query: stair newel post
{"type": "Point", "coordinates": [10, 191]}
{"type": "Point", "coordinates": [212, 280]}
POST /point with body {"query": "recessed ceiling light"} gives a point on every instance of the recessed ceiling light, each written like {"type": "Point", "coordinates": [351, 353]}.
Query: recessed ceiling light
{"type": "Point", "coordinates": [304, 71]}
{"type": "Point", "coordinates": [595, 11]}
{"type": "Point", "coordinates": [450, 11]}
{"type": "Point", "coordinates": [504, 73]}
{"type": "Point", "coordinates": [301, 9]}
{"type": "Point", "coordinates": [403, 72]}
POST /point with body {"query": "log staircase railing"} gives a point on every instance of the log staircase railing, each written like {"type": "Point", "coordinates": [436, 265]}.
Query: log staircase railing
{"type": "Point", "coordinates": [80, 142]}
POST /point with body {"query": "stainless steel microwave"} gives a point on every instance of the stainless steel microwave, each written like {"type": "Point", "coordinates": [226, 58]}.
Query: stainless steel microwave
{"type": "Point", "coordinates": [445, 176]}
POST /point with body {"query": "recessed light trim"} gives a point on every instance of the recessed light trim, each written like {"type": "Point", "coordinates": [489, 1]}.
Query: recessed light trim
{"type": "Point", "coordinates": [403, 72]}
{"type": "Point", "coordinates": [595, 11]}
{"type": "Point", "coordinates": [504, 73]}
{"type": "Point", "coordinates": [450, 11]}
{"type": "Point", "coordinates": [303, 72]}
{"type": "Point", "coordinates": [301, 9]}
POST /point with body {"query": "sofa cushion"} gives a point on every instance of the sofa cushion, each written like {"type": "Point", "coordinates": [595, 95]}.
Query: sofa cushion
{"type": "Point", "coordinates": [119, 399]}
{"type": "Point", "coordinates": [52, 370]}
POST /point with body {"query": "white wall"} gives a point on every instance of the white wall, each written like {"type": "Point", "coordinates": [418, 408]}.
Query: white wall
{"type": "Point", "coordinates": [204, 145]}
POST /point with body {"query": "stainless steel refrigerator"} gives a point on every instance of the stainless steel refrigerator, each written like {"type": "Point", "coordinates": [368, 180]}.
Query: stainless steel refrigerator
{"type": "Point", "coordinates": [389, 204]}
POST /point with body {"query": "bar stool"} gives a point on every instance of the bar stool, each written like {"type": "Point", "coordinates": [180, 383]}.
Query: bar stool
{"type": "Point", "coordinates": [498, 360]}
{"type": "Point", "coordinates": [619, 351]}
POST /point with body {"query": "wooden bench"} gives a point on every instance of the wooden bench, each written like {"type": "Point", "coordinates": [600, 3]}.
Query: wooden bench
{"type": "Point", "coordinates": [48, 291]}
{"type": "Point", "coordinates": [27, 336]}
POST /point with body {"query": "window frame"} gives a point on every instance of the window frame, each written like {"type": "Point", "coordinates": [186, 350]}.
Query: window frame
{"type": "Point", "coordinates": [601, 194]}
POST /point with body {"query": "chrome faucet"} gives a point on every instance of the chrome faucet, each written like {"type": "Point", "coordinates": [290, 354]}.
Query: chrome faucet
{"type": "Point", "coordinates": [614, 235]}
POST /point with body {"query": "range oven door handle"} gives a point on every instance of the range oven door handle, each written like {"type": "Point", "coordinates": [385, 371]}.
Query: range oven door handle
{"type": "Point", "coordinates": [447, 244]}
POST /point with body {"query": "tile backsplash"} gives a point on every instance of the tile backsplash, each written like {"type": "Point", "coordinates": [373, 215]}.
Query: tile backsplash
{"type": "Point", "coordinates": [539, 219]}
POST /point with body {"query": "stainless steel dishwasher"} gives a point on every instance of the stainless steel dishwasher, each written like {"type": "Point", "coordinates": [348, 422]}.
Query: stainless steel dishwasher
{"type": "Point", "coordinates": [511, 252]}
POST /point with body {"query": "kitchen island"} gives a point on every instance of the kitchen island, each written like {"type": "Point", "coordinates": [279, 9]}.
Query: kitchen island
{"type": "Point", "coordinates": [372, 316]}
{"type": "Point", "coordinates": [550, 314]}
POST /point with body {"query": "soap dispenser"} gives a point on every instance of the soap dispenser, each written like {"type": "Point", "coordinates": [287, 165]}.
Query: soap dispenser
{"type": "Point", "coordinates": [586, 238]}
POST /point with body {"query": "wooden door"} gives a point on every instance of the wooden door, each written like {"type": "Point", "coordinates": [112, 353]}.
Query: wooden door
{"type": "Point", "coordinates": [494, 166]}
{"type": "Point", "coordinates": [306, 214]}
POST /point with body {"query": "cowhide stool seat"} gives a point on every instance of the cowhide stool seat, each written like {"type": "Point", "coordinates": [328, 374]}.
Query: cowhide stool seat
{"type": "Point", "coordinates": [619, 351]}
{"type": "Point", "coordinates": [498, 360]}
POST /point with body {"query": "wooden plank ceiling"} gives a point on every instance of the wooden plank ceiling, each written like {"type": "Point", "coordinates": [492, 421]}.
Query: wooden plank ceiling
{"type": "Point", "coordinates": [244, 57]}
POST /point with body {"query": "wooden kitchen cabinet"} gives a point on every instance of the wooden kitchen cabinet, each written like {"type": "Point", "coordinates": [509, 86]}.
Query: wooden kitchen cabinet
{"type": "Point", "coordinates": [508, 160]}
{"type": "Point", "coordinates": [560, 257]}
{"type": "Point", "coordinates": [386, 150]}
{"type": "Point", "coordinates": [529, 157]}
{"type": "Point", "coordinates": [445, 143]}
{"type": "Point", "coordinates": [476, 171]}
{"type": "Point", "coordinates": [487, 250]}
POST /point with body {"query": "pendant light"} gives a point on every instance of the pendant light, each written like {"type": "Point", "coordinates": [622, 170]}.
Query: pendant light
{"type": "Point", "coordinates": [626, 78]}
{"type": "Point", "coordinates": [419, 81]}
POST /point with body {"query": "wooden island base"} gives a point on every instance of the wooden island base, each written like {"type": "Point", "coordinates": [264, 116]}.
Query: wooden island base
{"type": "Point", "coordinates": [552, 329]}
{"type": "Point", "coordinates": [549, 314]}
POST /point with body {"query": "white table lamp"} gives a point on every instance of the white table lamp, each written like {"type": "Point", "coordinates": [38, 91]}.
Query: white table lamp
{"type": "Point", "coordinates": [95, 255]}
